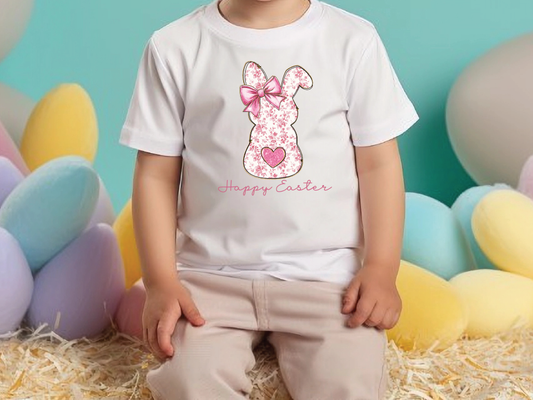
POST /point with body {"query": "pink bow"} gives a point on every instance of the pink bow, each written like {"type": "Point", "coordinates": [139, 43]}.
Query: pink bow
{"type": "Point", "coordinates": [271, 92]}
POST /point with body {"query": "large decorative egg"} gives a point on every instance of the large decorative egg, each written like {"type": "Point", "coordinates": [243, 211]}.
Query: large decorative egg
{"type": "Point", "coordinates": [9, 149]}
{"type": "Point", "coordinates": [463, 207]}
{"type": "Point", "coordinates": [123, 227]}
{"type": "Point", "coordinates": [487, 115]}
{"type": "Point", "coordinates": [14, 16]}
{"type": "Point", "coordinates": [502, 223]}
{"type": "Point", "coordinates": [15, 109]}
{"type": "Point", "coordinates": [496, 301]}
{"type": "Point", "coordinates": [433, 237]}
{"type": "Point", "coordinates": [525, 184]}
{"type": "Point", "coordinates": [103, 212]}
{"type": "Point", "coordinates": [51, 207]}
{"type": "Point", "coordinates": [431, 310]}
{"type": "Point", "coordinates": [16, 283]}
{"type": "Point", "coordinates": [10, 177]}
{"type": "Point", "coordinates": [130, 310]}
{"type": "Point", "coordinates": [63, 123]}
{"type": "Point", "coordinates": [77, 293]}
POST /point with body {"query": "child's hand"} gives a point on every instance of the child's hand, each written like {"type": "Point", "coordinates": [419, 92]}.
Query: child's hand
{"type": "Point", "coordinates": [163, 307]}
{"type": "Point", "coordinates": [373, 295]}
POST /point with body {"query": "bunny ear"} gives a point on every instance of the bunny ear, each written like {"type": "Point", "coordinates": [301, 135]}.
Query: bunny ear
{"type": "Point", "coordinates": [294, 78]}
{"type": "Point", "coordinates": [253, 75]}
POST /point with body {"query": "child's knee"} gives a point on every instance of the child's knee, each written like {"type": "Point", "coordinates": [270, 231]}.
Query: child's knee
{"type": "Point", "coordinates": [196, 373]}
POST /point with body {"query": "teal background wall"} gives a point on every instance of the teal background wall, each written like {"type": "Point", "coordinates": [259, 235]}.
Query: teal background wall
{"type": "Point", "coordinates": [98, 44]}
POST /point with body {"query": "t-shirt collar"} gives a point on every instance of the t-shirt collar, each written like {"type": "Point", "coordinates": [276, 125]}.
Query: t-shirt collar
{"type": "Point", "coordinates": [265, 38]}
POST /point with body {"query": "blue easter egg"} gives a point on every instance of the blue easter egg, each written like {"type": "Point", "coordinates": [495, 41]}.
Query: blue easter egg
{"type": "Point", "coordinates": [16, 283]}
{"type": "Point", "coordinates": [51, 207]}
{"type": "Point", "coordinates": [78, 291]}
{"type": "Point", "coordinates": [463, 207]}
{"type": "Point", "coordinates": [433, 237]}
{"type": "Point", "coordinates": [10, 177]}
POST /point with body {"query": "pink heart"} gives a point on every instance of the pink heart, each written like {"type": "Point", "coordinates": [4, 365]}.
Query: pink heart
{"type": "Point", "coordinates": [273, 157]}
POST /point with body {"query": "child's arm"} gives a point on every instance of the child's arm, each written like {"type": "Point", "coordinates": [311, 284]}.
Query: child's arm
{"type": "Point", "coordinates": [154, 201]}
{"type": "Point", "coordinates": [372, 293]}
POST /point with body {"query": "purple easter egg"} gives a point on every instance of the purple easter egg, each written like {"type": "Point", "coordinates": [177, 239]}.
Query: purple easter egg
{"type": "Point", "coordinates": [16, 283]}
{"type": "Point", "coordinates": [129, 312]}
{"type": "Point", "coordinates": [78, 291]}
{"type": "Point", "coordinates": [9, 149]}
{"type": "Point", "coordinates": [10, 177]}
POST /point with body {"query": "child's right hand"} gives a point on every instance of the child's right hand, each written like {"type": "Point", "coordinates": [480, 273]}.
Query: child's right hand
{"type": "Point", "coordinates": [164, 305]}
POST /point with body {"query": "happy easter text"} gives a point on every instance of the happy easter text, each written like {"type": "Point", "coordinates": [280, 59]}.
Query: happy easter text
{"type": "Point", "coordinates": [281, 187]}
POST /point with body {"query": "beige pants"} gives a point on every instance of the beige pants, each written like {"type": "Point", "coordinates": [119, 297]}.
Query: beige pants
{"type": "Point", "coordinates": [320, 358]}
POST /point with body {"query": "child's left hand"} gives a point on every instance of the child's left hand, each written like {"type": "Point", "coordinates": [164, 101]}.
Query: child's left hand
{"type": "Point", "coordinates": [373, 295]}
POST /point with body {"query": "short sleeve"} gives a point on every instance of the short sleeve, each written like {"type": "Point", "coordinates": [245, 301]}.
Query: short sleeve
{"type": "Point", "coordinates": [378, 107]}
{"type": "Point", "coordinates": [154, 119]}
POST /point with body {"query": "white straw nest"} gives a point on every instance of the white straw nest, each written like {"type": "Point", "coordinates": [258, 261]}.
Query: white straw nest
{"type": "Point", "coordinates": [36, 365]}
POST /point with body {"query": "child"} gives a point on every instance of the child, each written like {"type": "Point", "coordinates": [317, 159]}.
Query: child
{"type": "Point", "coordinates": [279, 120]}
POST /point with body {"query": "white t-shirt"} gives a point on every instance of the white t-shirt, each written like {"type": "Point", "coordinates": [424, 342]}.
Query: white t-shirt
{"type": "Point", "coordinates": [266, 121]}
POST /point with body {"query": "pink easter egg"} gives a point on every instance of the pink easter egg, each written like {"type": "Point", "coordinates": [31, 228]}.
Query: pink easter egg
{"type": "Point", "coordinates": [10, 177]}
{"type": "Point", "coordinates": [129, 313]}
{"type": "Point", "coordinates": [9, 149]}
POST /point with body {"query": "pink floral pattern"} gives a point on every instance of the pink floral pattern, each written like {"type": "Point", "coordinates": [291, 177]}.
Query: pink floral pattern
{"type": "Point", "coordinates": [272, 126]}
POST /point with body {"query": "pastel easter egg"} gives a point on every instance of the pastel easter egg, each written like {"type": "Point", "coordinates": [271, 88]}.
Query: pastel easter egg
{"type": "Point", "coordinates": [502, 223]}
{"type": "Point", "coordinates": [16, 283]}
{"type": "Point", "coordinates": [123, 227]}
{"type": "Point", "coordinates": [78, 291]}
{"type": "Point", "coordinates": [488, 118]}
{"type": "Point", "coordinates": [496, 301]}
{"type": "Point", "coordinates": [63, 123]}
{"type": "Point", "coordinates": [433, 237]}
{"type": "Point", "coordinates": [15, 16]}
{"type": "Point", "coordinates": [103, 212]}
{"type": "Point", "coordinates": [50, 207]}
{"type": "Point", "coordinates": [431, 310]}
{"type": "Point", "coordinates": [130, 310]}
{"type": "Point", "coordinates": [10, 177]}
{"type": "Point", "coordinates": [9, 149]}
{"type": "Point", "coordinates": [525, 183]}
{"type": "Point", "coordinates": [463, 207]}
{"type": "Point", "coordinates": [15, 110]}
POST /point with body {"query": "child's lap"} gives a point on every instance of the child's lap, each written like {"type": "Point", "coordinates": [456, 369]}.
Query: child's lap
{"type": "Point", "coordinates": [299, 307]}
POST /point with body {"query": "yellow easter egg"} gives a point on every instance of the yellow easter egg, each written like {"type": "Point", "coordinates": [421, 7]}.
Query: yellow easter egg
{"type": "Point", "coordinates": [431, 310]}
{"type": "Point", "coordinates": [62, 123]}
{"type": "Point", "coordinates": [495, 300]}
{"type": "Point", "coordinates": [123, 227]}
{"type": "Point", "coordinates": [502, 223]}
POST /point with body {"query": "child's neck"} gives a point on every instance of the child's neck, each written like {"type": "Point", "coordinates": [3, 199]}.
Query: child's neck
{"type": "Point", "coordinates": [259, 14]}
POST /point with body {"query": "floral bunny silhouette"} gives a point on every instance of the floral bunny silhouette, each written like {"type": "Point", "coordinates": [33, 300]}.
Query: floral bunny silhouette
{"type": "Point", "coordinates": [273, 150]}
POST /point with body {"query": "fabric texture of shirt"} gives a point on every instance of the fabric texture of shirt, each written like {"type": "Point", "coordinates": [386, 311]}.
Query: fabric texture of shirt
{"type": "Point", "coordinates": [266, 121]}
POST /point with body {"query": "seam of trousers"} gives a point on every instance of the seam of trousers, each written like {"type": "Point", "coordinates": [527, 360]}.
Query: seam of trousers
{"type": "Point", "coordinates": [260, 303]}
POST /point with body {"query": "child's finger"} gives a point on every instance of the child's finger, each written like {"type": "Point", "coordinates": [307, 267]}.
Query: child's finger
{"type": "Point", "coordinates": [152, 341]}
{"type": "Point", "coordinates": [362, 311]}
{"type": "Point", "coordinates": [190, 311]}
{"type": "Point", "coordinates": [165, 328]}
{"type": "Point", "coordinates": [376, 316]}
{"type": "Point", "coordinates": [387, 321]}
{"type": "Point", "coordinates": [349, 298]}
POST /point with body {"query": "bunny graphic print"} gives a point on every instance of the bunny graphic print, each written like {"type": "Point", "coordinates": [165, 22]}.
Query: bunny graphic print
{"type": "Point", "coordinates": [273, 150]}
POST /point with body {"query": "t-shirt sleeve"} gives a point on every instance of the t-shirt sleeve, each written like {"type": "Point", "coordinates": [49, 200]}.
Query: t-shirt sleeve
{"type": "Point", "coordinates": [378, 107]}
{"type": "Point", "coordinates": [154, 118]}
